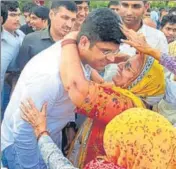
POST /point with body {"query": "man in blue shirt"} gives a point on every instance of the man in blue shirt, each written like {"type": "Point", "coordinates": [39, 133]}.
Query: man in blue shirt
{"type": "Point", "coordinates": [11, 40]}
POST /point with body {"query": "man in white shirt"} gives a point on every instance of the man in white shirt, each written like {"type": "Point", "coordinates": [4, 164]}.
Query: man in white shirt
{"type": "Point", "coordinates": [40, 80]}
{"type": "Point", "coordinates": [132, 13]}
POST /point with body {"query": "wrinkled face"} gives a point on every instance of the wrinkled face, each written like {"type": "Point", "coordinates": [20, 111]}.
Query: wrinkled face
{"type": "Point", "coordinates": [132, 11]}
{"type": "Point", "coordinates": [170, 32]}
{"type": "Point", "coordinates": [37, 23]}
{"type": "Point", "coordinates": [62, 21]}
{"type": "Point", "coordinates": [98, 55]}
{"type": "Point", "coordinates": [128, 71]}
{"type": "Point", "coordinates": [27, 17]}
{"type": "Point", "coordinates": [83, 11]}
{"type": "Point", "coordinates": [115, 8]}
{"type": "Point", "coordinates": [13, 20]}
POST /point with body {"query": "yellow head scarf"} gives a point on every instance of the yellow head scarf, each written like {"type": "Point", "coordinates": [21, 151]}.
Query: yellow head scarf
{"type": "Point", "coordinates": [151, 81]}
{"type": "Point", "coordinates": [141, 139]}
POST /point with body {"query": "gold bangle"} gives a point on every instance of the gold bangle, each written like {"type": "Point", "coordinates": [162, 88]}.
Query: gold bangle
{"type": "Point", "coordinates": [42, 134]}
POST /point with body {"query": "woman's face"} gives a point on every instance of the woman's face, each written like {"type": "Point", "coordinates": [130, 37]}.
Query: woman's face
{"type": "Point", "coordinates": [128, 71]}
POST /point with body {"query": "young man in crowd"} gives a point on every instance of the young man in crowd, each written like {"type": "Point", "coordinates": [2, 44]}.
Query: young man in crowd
{"type": "Point", "coordinates": [40, 80]}
{"type": "Point", "coordinates": [62, 18]}
{"type": "Point", "coordinates": [115, 6]}
{"type": "Point", "coordinates": [162, 13]}
{"type": "Point", "coordinates": [39, 18]}
{"type": "Point", "coordinates": [83, 11]}
{"type": "Point", "coordinates": [26, 10]}
{"type": "Point", "coordinates": [11, 40]}
{"type": "Point", "coordinates": [132, 13]}
{"type": "Point", "coordinates": [168, 27]}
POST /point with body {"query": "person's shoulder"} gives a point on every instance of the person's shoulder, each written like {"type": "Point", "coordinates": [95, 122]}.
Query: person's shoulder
{"type": "Point", "coordinates": [34, 35]}
{"type": "Point", "coordinates": [153, 31]}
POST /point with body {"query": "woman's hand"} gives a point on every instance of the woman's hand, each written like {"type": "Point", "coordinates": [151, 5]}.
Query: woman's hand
{"type": "Point", "coordinates": [36, 118]}
{"type": "Point", "coordinates": [71, 35]}
{"type": "Point", "coordinates": [136, 40]}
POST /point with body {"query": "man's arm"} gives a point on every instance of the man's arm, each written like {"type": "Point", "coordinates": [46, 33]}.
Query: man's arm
{"type": "Point", "coordinates": [25, 53]}
{"type": "Point", "coordinates": [7, 55]}
{"type": "Point", "coordinates": [40, 89]}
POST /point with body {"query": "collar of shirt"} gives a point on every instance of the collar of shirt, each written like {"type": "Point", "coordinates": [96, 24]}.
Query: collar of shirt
{"type": "Point", "coordinates": [45, 34]}
{"type": "Point", "coordinates": [142, 29]}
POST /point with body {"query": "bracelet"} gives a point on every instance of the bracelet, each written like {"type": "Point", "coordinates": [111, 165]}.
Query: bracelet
{"type": "Point", "coordinates": [68, 41]}
{"type": "Point", "coordinates": [42, 134]}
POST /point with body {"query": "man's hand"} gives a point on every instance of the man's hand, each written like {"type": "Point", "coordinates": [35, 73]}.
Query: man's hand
{"type": "Point", "coordinates": [96, 77]}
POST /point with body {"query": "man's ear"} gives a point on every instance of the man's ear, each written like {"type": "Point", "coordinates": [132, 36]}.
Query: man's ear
{"type": "Point", "coordinates": [51, 14]}
{"type": "Point", "coordinates": [84, 42]}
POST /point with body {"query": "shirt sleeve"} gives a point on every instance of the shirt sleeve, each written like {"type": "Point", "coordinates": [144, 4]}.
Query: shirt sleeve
{"type": "Point", "coordinates": [52, 155]}
{"type": "Point", "coordinates": [7, 55]}
{"type": "Point", "coordinates": [103, 103]}
{"type": "Point", "coordinates": [40, 88]}
{"type": "Point", "coordinates": [168, 62]}
{"type": "Point", "coordinates": [24, 54]}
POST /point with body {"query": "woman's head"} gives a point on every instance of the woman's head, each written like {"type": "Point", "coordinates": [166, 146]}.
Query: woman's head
{"type": "Point", "coordinates": [140, 138]}
{"type": "Point", "coordinates": [142, 76]}
{"type": "Point", "coordinates": [128, 71]}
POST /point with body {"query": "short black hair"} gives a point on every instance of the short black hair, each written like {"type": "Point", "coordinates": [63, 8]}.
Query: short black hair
{"type": "Point", "coordinates": [11, 5]}
{"type": "Point", "coordinates": [171, 19]}
{"type": "Point", "coordinates": [161, 10]}
{"type": "Point", "coordinates": [116, 3]}
{"type": "Point", "coordinates": [69, 5]}
{"type": "Point", "coordinates": [41, 12]}
{"type": "Point", "coordinates": [4, 13]}
{"type": "Point", "coordinates": [102, 25]}
{"type": "Point", "coordinates": [172, 11]}
{"type": "Point", "coordinates": [80, 2]}
{"type": "Point", "coordinates": [28, 7]}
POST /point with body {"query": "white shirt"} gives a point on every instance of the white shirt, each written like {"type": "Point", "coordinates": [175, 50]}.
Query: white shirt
{"type": "Point", "coordinates": [39, 80]}
{"type": "Point", "coordinates": [154, 38]}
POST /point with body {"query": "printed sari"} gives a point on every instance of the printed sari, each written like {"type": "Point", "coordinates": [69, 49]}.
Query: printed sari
{"type": "Point", "coordinates": [101, 105]}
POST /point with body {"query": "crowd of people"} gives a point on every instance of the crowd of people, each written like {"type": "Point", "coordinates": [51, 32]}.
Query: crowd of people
{"type": "Point", "coordinates": [85, 89]}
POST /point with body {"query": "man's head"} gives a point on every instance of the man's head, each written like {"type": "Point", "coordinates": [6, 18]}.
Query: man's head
{"type": "Point", "coordinates": [26, 10]}
{"type": "Point", "coordinates": [13, 20]}
{"type": "Point", "coordinates": [4, 13]}
{"type": "Point", "coordinates": [168, 27]}
{"type": "Point", "coordinates": [163, 12]}
{"type": "Point", "coordinates": [172, 11]}
{"type": "Point", "coordinates": [114, 5]}
{"type": "Point", "coordinates": [148, 21]}
{"type": "Point", "coordinates": [39, 17]}
{"type": "Point", "coordinates": [63, 17]}
{"type": "Point", "coordinates": [132, 12]}
{"type": "Point", "coordinates": [99, 38]}
{"type": "Point", "coordinates": [83, 10]}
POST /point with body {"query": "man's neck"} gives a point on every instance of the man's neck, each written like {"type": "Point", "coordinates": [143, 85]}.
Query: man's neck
{"type": "Point", "coordinates": [10, 31]}
{"type": "Point", "coordinates": [54, 36]}
{"type": "Point", "coordinates": [134, 27]}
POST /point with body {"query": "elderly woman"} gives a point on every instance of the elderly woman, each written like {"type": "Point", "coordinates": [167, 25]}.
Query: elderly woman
{"type": "Point", "coordinates": [138, 41]}
{"type": "Point", "coordinates": [137, 138]}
